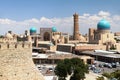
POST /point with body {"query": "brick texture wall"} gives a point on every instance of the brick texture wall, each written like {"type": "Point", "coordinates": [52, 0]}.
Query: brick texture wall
{"type": "Point", "coordinates": [16, 62]}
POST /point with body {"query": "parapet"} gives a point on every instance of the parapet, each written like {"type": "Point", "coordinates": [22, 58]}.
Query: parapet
{"type": "Point", "coordinates": [56, 33]}
{"type": "Point", "coordinates": [15, 45]}
{"type": "Point", "coordinates": [16, 62]}
{"type": "Point", "coordinates": [4, 40]}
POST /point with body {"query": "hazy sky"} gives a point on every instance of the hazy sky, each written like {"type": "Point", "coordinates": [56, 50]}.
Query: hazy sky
{"type": "Point", "coordinates": [20, 15]}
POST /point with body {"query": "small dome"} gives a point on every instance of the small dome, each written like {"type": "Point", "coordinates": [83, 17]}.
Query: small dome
{"type": "Point", "coordinates": [54, 29]}
{"type": "Point", "coordinates": [33, 30]}
{"type": "Point", "coordinates": [103, 25]}
{"type": "Point", "coordinates": [9, 36]}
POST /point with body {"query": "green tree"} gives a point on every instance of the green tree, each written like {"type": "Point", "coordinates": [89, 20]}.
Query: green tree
{"type": "Point", "coordinates": [116, 74]}
{"type": "Point", "coordinates": [79, 69]}
{"type": "Point", "coordinates": [68, 66]}
{"type": "Point", "coordinates": [1, 36]}
{"type": "Point", "coordinates": [78, 74]}
{"type": "Point", "coordinates": [75, 66]}
{"type": "Point", "coordinates": [61, 71]}
{"type": "Point", "coordinates": [113, 75]}
{"type": "Point", "coordinates": [107, 75]}
{"type": "Point", "coordinates": [100, 78]}
{"type": "Point", "coordinates": [112, 47]}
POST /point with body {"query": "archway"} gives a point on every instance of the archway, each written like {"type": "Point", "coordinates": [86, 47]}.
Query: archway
{"type": "Point", "coordinates": [46, 36]}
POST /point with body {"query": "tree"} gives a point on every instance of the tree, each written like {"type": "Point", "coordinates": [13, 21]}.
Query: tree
{"type": "Point", "coordinates": [78, 74]}
{"type": "Point", "coordinates": [79, 69]}
{"type": "Point", "coordinates": [112, 47]}
{"type": "Point", "coordinates": [75, 66]}
{"type": "Point", "coordinates": [100, 78]}
{"type": "Point", "coordinates": [107, 75]}
{"type": "Point", "coordinates": [114, 75]}
{"type": "Point", "coordinates": [1, 36]}
{"type": "Point", "coordinates": [61, 71]}
{"type": "Point", "coordinates": [117, 40]}
{"type": "Point", "coordinates": [68, 66]}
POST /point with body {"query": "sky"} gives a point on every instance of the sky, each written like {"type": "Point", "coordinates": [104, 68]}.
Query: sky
{"type": "Point", "coordinates": [21, 15]}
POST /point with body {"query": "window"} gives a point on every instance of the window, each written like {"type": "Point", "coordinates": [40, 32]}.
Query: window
{"type": "Point", "coordinates": [8, 45]}
{"type": "Point", "coordinates": [23, 45]}
{"type": "Point", "coordinates": [15, 45]}
{"type": "Point", "coordinates": [107, 35]}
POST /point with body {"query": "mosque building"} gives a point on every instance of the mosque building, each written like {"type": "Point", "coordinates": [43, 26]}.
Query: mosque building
{"type": "Point", "coordinates": [47, 36]}
{"type": "Point", "coordinates": [99, 38]}
{"type": "Point", "coordinates": [102, 34]}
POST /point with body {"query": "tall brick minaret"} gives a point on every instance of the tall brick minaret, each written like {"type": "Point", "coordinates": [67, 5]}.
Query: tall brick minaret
{"type": "Point", "coordinates": [76, 27]}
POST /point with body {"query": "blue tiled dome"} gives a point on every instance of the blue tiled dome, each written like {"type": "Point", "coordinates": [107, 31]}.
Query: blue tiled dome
{"type": "Point", "coordinates": [103, 25]}
{"type": "Point", "coordinates": [54, 29]}
{"type": "Point", "coordinates": [33, 30]}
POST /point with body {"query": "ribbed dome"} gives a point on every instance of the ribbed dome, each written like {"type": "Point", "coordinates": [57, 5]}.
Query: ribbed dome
{"type": "Point", "coordinates": [33, 30]}
{"type": "Point", "coordinates": [54, 29]}
{"type": "Point", "coordinates": [103, 25]}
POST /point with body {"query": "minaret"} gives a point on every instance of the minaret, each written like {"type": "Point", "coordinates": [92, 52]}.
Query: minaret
{"type": "Point", "coordinates": [76, 27]}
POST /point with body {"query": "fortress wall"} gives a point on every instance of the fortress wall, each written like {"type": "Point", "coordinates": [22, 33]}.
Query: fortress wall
{"type": "Point", "coordinates": [16, 63]}
{"type": "Point", "coordinates": [8, 40]}
{"type": "Point", "coordinates": [14, 45]}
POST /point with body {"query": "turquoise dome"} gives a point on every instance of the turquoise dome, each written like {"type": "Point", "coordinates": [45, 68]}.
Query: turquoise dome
{"type": "Point", "coordinates": [54, 29]}
{"type": "Point", "coordinates": [33, 30]}
{"type": "Point", "coordinates": [103, 25]}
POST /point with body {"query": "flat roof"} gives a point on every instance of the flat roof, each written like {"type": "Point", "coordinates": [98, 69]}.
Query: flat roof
{"type": "Point", "coordinates": [60, 56]}
{"type": "Point", "coordinates": [79, 44]}
{"type": "Point", "coordinates": [42, 56]}
{"type": "Point", "coordinates": [60, 52]}
{"type": "Point", "coordinates": [38, 48]}
{"type": "Point", "coordinates": [111, 55]}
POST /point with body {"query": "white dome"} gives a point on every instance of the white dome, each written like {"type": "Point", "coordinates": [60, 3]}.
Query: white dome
{"type": "Point", "coordinates": [8, 35]}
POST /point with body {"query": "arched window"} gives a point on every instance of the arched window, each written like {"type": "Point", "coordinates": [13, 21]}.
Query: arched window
{"type": "Point", "coordinates": [107, 35]}
{"type": "Point", "coordinates": [46, 36]}
{"type": "Point", "coordinates": [8, 45]}
{"type": "Point", "coordinates": [23, 45]}
{"type": "Point", "coordinates": [15, 45]}
{"type": "Point", "coordinates": [29, 45]}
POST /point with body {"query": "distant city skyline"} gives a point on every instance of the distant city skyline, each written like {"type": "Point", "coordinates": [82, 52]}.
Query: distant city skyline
{"type": "Point", "coordinates": [21, 15]}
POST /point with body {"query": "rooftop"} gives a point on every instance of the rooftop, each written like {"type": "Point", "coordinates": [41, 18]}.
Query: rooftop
{"type": "Point", "coordinates": [113, 55]}
{"type": "Point", "coordinates": [57, 55]}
